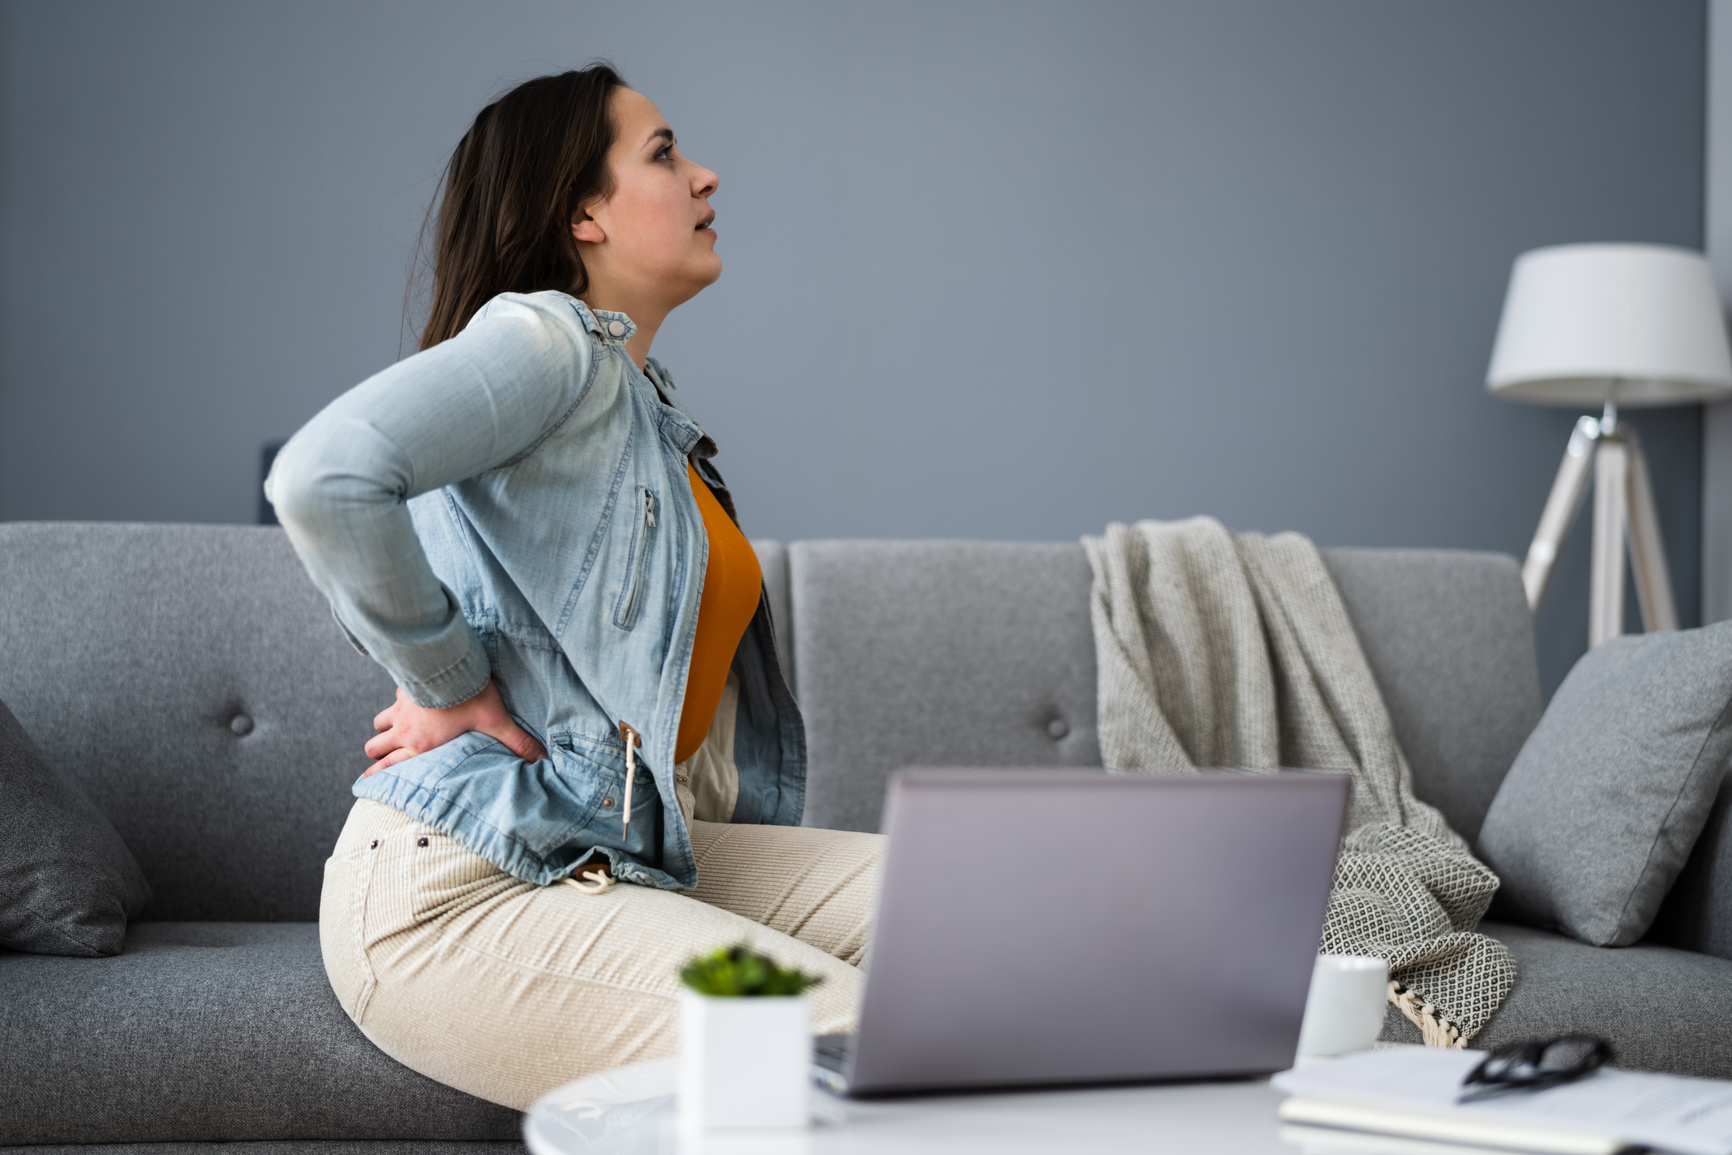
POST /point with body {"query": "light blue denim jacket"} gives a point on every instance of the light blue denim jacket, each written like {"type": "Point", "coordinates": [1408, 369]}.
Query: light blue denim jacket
{"type": "Point", "coordinates": [513, 503]}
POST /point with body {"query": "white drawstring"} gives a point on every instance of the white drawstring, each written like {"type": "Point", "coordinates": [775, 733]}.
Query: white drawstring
{"type": "Point", "coordinates": [632, 740]}
{"type": "Point", "coordinates": [597, 879]}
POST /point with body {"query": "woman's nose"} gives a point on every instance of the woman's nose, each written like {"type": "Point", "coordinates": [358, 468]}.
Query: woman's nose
{"type": "Point", "coordinates": [705, 182]}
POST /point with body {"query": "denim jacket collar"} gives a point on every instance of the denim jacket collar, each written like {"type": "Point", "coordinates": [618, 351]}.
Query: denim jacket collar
{"type": "Point", "coordinates": [611, 327]}
{"type": "Point", "coordinates": [617, 329]}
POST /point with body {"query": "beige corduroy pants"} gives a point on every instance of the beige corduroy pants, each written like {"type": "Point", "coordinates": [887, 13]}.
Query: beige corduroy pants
{"type": "Point", "coordinates": [505, 989]}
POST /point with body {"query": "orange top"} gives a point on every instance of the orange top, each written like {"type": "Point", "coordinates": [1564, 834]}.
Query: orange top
{"type": "Point", "coordinates": [732, 581]}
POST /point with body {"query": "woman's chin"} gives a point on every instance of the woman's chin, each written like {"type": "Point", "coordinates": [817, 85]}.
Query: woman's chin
{"type": "Point", "coordinates": [708, 271]}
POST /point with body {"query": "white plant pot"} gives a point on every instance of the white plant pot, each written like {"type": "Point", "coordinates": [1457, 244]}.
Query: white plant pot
{"type": "Point", "coordinates": [745, 1062]}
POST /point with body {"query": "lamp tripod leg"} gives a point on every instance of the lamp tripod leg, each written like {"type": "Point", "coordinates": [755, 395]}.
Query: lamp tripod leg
{"type": "Point", "coordinates": [1647, 551]}
{"type": "Point", "coordinates": [1568, 490]}
{"type": "Point", "coordinates": [1611, 515]}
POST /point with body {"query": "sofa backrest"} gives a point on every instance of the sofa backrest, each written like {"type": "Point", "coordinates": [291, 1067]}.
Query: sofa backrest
{"type": "Point", "coordinates": [937, 653]}
{"type": "Point", "coordinates": [981, 654]}
{"type": "Point", "coordinates": [190, 678]}
{"type": "Point", "coordinates": [1451, 643]}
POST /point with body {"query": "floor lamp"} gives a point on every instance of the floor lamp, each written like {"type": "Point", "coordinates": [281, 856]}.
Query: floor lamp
{"type": "Point", "coordinates": [1599, 326]}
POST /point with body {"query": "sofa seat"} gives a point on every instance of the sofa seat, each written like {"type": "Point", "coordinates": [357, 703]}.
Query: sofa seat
{"type": "Point", "coordinates": [208, 1031]}
{"type": "Point", "coordinates": [1628, 995]}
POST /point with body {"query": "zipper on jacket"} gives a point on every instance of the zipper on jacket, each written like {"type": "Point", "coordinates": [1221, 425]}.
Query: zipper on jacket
{"type": "Point", "coordinates": [625, 612]}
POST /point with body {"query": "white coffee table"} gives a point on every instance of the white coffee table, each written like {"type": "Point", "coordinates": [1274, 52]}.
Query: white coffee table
{"type": "Point", "coordinates": [632, 1111]}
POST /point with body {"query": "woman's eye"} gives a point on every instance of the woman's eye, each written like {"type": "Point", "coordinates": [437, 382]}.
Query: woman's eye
{"type": "Point", "coordinates": [665, 153]}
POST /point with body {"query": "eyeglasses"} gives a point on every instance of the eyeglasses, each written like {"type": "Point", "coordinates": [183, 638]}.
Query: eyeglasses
{"type": "Point", "coordinates": [1533, 1066]}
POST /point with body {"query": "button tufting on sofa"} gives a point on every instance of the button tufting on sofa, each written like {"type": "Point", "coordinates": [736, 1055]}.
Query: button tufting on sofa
{"type": "Point", "coordinates": [1057, 728]}
{"type": "Point", "coordinates": [241, 725]}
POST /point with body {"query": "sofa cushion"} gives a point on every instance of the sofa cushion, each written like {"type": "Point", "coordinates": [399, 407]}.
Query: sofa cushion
{"type": "Point", "coordinates": [1605, 800]}
{"type": "Point", "coordinates": [937, 653]}
{"type": "Point", "coordinates": [67, 882]}
{"type": "Point", "coordinates": [206, 1031]}
{"type": "Point", "coordinates": [1451, 643]}
{"type": "Point", "coordinates": [1658, 1006]}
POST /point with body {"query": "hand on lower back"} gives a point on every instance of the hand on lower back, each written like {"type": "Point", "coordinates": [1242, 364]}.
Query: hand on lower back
{"type": "Point", "coordinates": [406, 729]}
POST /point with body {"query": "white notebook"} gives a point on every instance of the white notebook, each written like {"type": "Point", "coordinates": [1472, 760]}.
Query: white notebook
{"type": "Point", "coordinates": [1336, 1141]}
{"type": "Point", "coordinates": [1411, 1092]}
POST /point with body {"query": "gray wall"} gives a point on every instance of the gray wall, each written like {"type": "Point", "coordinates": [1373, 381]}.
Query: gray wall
{"type": "Point", "coordinates": [993, 269]}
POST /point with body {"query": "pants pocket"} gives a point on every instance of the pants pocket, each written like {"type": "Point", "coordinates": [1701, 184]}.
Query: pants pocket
{"type": "Point", "coordinates": [343, 927]}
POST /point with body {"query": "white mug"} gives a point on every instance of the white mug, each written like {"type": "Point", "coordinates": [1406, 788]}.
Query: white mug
{"type": "Point", "coordinates": [1344, 1011]}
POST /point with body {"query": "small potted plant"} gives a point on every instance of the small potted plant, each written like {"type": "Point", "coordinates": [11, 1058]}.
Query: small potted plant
{"type": "Point", "coordinates": [745, 1042]}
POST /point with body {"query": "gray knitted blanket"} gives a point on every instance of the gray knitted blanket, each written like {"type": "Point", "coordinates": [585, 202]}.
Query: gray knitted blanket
{"type": "Point", "coordinates": [1234, 650]}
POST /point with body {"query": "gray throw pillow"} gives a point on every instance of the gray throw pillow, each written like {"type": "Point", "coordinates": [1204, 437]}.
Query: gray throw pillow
{"type": "Point", "coordinates": [1602, 805]}
{"type": "Point", "coordinates": [67, 882]}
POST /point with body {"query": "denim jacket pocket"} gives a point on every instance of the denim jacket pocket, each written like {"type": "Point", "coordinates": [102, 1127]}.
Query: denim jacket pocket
{"type": "Point", "coordinates": [590, 768]}
{"type": "Point", "coordinates": [630, 600]}
{"type": "Point", "coordinates": [604, 826]}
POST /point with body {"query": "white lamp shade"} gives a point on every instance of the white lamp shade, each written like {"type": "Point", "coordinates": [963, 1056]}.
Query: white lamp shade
{"type": "Point", "coordinates": [1633, 324]}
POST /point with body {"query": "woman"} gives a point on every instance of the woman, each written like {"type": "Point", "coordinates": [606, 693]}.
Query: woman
{"type": "Point", "coordinates": [593, 769]}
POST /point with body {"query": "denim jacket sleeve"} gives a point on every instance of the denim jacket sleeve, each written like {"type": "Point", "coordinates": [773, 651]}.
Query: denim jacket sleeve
{"type": "Point", "coordinates": [341, 485]}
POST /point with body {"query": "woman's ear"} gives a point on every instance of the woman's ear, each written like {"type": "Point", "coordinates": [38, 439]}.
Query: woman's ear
{"type": "Point", "coordinates": [585, 230]}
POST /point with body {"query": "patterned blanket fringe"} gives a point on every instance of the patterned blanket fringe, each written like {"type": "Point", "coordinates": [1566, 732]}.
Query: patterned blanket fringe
{"type": "Point", "coordinates": [1438, 1031]}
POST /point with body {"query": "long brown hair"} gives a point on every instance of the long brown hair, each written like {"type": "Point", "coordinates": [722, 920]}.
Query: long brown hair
{"type": "Point", "coordinates": [502, 218]}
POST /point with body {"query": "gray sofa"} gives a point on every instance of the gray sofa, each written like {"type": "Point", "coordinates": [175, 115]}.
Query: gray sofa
{"type": "Point", "coordinates": [192, 681]}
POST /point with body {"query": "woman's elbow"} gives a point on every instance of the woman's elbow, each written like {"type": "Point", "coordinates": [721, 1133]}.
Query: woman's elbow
{"type": "Point", "coordinates": [291, 485]}
{"type": "Point", "coordinates": [314, 483]}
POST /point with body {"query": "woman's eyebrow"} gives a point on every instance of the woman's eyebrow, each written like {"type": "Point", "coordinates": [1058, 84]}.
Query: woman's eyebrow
{"type": "Point", "coordinates": [662, 133]}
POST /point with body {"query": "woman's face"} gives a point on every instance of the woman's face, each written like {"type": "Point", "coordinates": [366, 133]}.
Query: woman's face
{"type": "Point", "coordinates": [649, 242]}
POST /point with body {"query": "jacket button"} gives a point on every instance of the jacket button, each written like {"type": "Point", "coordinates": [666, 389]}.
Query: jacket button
{"type": "Point", "coordinates": [617, 328]}
{"type": "Point", "coordinates": [681, 778]}
{"type": "Point", "coordinates": [374, 845]}
{"type": "Point", "coordinates": [241, 725]}
{"type": "Point", "coordinates": [607, 804]}
{"type": "Point", "coordinates": [420, 842]}
{"type": "Point", "coordinates": [1056, 729]}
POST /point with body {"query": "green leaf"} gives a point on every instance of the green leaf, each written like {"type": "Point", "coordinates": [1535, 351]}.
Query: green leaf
{"type": "Point", "coordinates": [740, 972]}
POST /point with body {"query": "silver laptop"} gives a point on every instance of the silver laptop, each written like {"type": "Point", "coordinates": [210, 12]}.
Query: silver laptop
{"type": "Point", "coordinates": [1042, 927]}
